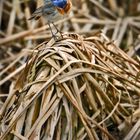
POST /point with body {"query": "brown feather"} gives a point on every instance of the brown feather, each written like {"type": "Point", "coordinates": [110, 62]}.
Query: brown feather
{"type": "Point", "coordinates": [68, 7]}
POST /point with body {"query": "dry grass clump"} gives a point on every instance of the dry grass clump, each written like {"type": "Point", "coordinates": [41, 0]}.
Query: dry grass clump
{"type": "Point", "coordinates": [75, 88]}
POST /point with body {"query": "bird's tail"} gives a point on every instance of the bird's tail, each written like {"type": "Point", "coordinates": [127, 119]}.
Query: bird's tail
{"type": "Point", "coordinates": [37, 14]}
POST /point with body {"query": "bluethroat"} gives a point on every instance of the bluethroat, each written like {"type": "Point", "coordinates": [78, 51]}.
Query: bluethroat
{"type": "Point", "coordinates": [52, 11]}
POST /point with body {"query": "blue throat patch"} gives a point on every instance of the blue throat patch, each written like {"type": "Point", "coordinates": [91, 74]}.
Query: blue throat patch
{"type": "Point", "coordinates": [59, 3]}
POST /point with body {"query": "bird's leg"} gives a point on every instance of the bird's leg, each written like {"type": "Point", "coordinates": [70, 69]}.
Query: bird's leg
{"type": "Point", "coordinates": [51, 29]}
{"type": "Point", "coordinates": [57, 30]}
{"type": "Point", "coordinates": [53, 35]}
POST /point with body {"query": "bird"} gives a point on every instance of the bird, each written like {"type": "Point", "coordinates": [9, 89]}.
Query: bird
{"type": "Point", "coordinates": [52, 11]}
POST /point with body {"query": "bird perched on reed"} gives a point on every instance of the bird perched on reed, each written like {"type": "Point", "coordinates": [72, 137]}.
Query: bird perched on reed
{"type": "Point", "coordinates": [52, 11]}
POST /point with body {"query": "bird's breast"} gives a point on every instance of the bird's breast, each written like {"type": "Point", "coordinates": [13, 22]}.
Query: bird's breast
{"type": "Point", "coordinates": [65, 9]}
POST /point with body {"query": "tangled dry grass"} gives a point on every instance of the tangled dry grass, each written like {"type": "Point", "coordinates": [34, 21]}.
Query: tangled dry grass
{"type": "Point", "coordinates": [80, 87]}
{"type": "Point", "coordinates": [75, 88]}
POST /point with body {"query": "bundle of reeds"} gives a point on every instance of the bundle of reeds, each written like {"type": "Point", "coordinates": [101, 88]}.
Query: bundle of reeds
{"type": "Point", "coordinates": [75, 88]}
